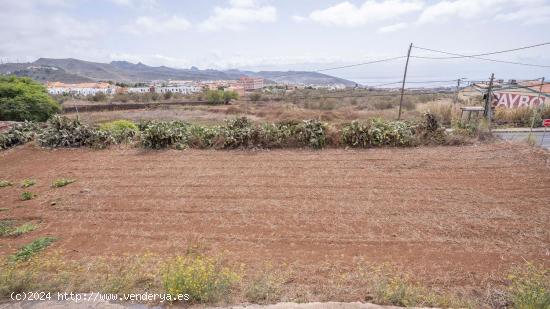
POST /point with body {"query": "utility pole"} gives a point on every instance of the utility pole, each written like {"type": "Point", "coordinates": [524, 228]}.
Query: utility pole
{"type": "Point", "coordinates": [488, 99]}
{"type": "Point", "coordinates": [404, 78]}
{"type": "Point", "coordinates": [457, 90]}
{"type": "Point", "coordinates": [538, 100]}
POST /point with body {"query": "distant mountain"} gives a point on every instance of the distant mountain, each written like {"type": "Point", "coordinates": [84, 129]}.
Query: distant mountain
{"type": "Point", "coordinates": [75, 70]}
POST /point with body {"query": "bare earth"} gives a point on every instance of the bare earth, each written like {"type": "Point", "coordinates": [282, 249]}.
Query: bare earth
{"type": "Point", "coordinates": [457, 217]}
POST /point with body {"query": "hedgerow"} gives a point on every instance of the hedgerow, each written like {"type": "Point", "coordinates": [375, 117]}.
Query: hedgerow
{"type": "Point", "coordinates": [237, 133]}
{"type": "Point", "coordinates": [20, 133]}
{"type": "Point", "coordinates": [65, 132]}
{"type": "Point", "coordinates": [377, 132]}
{"type": "Point", "coordinates": [158, 135]}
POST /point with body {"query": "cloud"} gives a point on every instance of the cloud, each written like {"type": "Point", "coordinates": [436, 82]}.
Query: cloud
{"type": "Point", "coordinates": [298, 19]}
{"type": "Point", "coordinates": [525, 11]}
{"type": "Point", "coordinates": [33, 30]}
{"type": "Point", "coordinates": [346, 14]}
{"type": "Point", "coordinates": [393, 28]}
{"type": "Point", "coordinates": [239, 14]}
{"type": "Point", "coordinates": [138, 4]}
{"type": "Point", "coordinates": [152, 25]}
{"type": "Point", "coordinates": [528, 16]}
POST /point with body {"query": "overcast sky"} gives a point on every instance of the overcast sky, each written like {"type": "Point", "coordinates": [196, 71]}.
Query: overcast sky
{"type": "Point", "coordinates": [283, 34]}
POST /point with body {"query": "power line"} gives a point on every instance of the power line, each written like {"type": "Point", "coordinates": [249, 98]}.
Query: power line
{"type": "Point", "coordinates": [416, 82]}
{"type": "Point", "coordinates": [474, 57]}
{"type": "Point", "coordinates": [486, 59]}
{"type": "Point", "coordinates": [339, 67]}
{"type": "Point", "coordinates": [486, 54]}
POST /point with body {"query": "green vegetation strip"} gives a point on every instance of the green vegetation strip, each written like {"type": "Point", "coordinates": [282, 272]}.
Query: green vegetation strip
{"type": "Point", "coordinates": [31, 249]}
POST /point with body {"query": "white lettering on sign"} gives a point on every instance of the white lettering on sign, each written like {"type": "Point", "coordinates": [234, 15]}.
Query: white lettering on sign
{"type": "Point", "coordinates": [516, 100]}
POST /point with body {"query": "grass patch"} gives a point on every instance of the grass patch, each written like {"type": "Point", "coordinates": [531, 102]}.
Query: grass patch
{"type": "Point", "coordinates": [5, 183]}
{"type": "Point", "coordinates": [530, 287]}
{"type": "Point", "coordinates": [26, 196]}
{"type": "Point", "coordinates": [61, 182]}
{"type": "Point", "coordinates": [26, 183]}
{"type": "Point", "coordinates": [8, 228]}
{"type": "Point", "coordinates": [265, 288]}
{"type": "Point", "coordinates": [204, 279]}
{"type": "Point", "coordinates": [31, 249]}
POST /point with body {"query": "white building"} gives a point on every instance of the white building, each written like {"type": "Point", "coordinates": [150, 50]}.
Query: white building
{"type": "Point", "coordinates": [80, 89]}
{"type": "Point", "coordinates": [183, 89]}
{"type": "Point", "coordinates": [138, 89]}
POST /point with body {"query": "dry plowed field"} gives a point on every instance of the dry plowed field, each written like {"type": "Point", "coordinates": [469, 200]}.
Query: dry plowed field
{"type": "Point", "coordinates": [457, 216]}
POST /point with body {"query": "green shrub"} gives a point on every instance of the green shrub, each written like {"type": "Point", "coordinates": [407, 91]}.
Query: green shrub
{"type": "Point", "coordinates": [22, 99]}
{"type": "Point", "coordinates": [429, 131]}
{"type": "Point", "coordinates": [65, 132]}
{"type": "Point", "coordinates": [19, 134]}
{"type": "Point", "coordinates": [203, 137]}
{"type": "Point", "coordinates": [312, 133]}
{"type": "Point", "coordinates": [158, 135]}
{"type": "Point", "coordinates": [530, 287]}
{"type": "Point", "coordinates": [377, 132]}
{"type": "Point", "coordinates": [221, 96]}
{"type": "Point", "coordinates": [5, 183]}
{"type": "Point", "coordinates": [202, 278]}
{"type": "Point", "coordinates": [28, 183]}
{"type": "Point", "coordinates": [25, 196]}
{"type": "Point", "coordinates": [31, 249]}
{"type": "Point", "coordinates": [238, 133]}
{"type": "Point", "coordinates": [61, 182]}
{"type": "Point", "coordinates": [121, 130]}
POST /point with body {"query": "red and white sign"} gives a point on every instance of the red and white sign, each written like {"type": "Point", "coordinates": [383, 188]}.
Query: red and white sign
{"type": "Point", "coordinates": [516, 100]}
{"type": "Point", "coordinates": [546, 123]}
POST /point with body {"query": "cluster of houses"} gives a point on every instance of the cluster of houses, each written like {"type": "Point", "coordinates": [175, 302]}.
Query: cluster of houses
{"type": "Point", "coordinates": [240, 86]}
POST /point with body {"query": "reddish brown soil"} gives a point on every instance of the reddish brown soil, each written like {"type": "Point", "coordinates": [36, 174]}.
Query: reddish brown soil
{"type": "Point", "coordinates": [452, 215]}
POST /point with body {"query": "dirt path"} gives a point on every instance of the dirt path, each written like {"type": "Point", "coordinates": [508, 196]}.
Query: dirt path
{"type": "Point", "coordinates": [453, 216]}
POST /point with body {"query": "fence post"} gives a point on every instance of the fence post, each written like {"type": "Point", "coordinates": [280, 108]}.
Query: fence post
{"type": "Point", "coordinates": [403, 85]}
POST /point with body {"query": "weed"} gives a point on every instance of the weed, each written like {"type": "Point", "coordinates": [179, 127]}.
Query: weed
{"type": "Point", "coordinates": [264, 289]}
{"type": "Point", "coordinates": [61, 182]}
{"type": "Point", "coordinates": [8, 228]}
{"type": "Point", "coordinates": [202, 278]}
{"type": "Point", "coordinates": [530, 287]}
{"type": "Point", "coordinates": [31, 249]}
{"type": "Point", "coordinates": [22, 229]}
{"type": "Point", "coordinates": [28, 183]}
{"type": "Point", "coordinates": [531, 139]}
{"type": "Point", "coordinates": [25, 196]}
{"type": "Point", "coordinates": [5, 183]}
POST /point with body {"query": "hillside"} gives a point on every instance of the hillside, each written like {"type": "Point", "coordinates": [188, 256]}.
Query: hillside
{"type": "Point", "coordinates": [75, 70]}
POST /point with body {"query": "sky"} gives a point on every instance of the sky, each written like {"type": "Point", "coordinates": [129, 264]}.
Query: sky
{"type": "Point", "coordinates": [285, 35]}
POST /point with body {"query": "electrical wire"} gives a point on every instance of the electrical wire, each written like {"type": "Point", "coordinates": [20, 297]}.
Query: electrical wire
{"type": "Point", "coordinates": [473, 57]}
{"type": "Point", "coordinates": [486, 54]}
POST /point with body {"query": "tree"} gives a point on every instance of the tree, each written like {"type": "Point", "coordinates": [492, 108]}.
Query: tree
{"type": "Point", "coordinates": [229, 95]}
{"type": "Point", "coordinates": [23, 99]}
{"type": "Point", "coordinates": [220, 96]}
